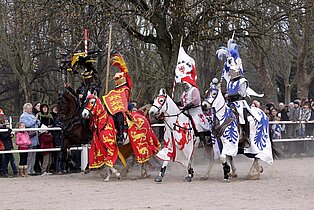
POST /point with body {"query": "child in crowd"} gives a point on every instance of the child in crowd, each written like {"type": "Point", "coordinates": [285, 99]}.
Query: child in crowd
{"type": "Point", "coordinates": [45, 140]}
{"type": "Point", "coordinates": [23, 141]}
{"type": "Point", "coordinates": [6, 138]}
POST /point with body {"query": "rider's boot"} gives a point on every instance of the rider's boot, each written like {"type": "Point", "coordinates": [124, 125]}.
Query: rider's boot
{"type": "Point", "coordinates": [246, 129]}
{"type": "Point", "coordinates": [120, 139]}
{"type": "Point", "coordinates": [246, 136]}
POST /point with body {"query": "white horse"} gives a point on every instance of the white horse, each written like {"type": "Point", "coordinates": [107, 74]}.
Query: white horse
{"type": "Point", "coordinates": [228, 132]}
{"type": "Point", "coordinates": [178, 137]}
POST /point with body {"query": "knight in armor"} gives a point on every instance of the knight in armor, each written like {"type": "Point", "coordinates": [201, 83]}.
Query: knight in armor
{"type": "Point", "coordinates": [237, 86]}
{"type": "Point", "coordinates": [190, 99]}
{"type": "Point", "coordinates": [236, 93]}
{"type": "Point", "coordinates": [90, 78]}
{"type": "Point", "coordinates": [123, 84]}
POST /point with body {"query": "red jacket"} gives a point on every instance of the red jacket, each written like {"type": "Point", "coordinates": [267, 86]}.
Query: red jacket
{"type": "Point", "coordinates": [45, 140]}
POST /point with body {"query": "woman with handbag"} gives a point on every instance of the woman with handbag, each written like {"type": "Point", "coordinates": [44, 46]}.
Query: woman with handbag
{"type": "Point", "coordinates": [30, 121]}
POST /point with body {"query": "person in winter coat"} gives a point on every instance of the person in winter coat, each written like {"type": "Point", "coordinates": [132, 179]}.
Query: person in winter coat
{"type": "Point", "coordinates": [23, 141]}
{"type": "Point", "coordinates": [30, 121]}
{"type": "Point", "coordinates": [45, 139]}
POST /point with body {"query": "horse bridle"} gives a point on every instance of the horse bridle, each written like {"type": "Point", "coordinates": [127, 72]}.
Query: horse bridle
{"type": "Point", "coordinates": [168, 115]}
{"type": "Point", "coordinates": [159, 108]}
{"type": "Point", "coordinates": [215, 99]}
{"type": "Point", "coordinates": [89, 110]}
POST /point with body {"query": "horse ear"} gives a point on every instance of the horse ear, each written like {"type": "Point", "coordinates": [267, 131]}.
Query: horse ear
{"type": "Point", "coordinates": [162, 91]}
{"type": "Point", "coordinates": [95, 93]}
{"type": "Point", "coordinates": [88, 93]}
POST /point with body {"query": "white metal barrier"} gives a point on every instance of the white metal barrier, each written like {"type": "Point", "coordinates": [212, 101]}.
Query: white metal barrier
{"type": "Point", "coordinates": [84, 148]}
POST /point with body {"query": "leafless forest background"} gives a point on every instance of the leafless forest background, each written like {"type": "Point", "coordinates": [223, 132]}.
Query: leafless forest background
{"type": "Point", "coordinates": [276, 39]}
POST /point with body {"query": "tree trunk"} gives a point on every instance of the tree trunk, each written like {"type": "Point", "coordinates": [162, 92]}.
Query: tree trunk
{"type": "Point", "coordinates": [287, 93]}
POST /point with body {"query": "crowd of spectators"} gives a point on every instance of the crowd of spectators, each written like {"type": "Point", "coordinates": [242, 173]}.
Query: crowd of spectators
{"type": "Point", "coordinates": [33, 163]}
{"type": "Point", "coordinates": [299, 112]}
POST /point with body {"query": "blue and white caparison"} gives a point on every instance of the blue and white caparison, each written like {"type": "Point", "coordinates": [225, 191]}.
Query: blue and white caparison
{"type": "Point", "coordinates": [228, 133]}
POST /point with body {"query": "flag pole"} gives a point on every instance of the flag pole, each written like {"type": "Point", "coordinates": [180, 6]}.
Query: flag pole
{"type": "Point", "coordinates": [86, 41]}
{"type": "Point", "coordinates": [233, 35]}
{"type": "Point", "coordinates": [108, 58]}
{"type": "Point", "coordinates": [174, 81]}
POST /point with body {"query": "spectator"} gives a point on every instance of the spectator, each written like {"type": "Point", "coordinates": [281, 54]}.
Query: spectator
{"type": "Point", "coordinates": [44, 116]}
{"type": "Point", "coordinates": [36, 108]}
{"type": "Point", "coordinates": [57, 140]}
{"type": "Point", "coordinates": [283, 114]}
{"type": "Point", "coordinates": [46, 119]}
{"type": "Point", "coordinates": [6, 138]}
{"type": "Point", "coordinates": [30, 121]}
{"type": "Point", "coordinates": [275, 128]}
{"type": "Point", "coordinates": [23, 141]}
{"type": "Point", "coordinates": [256, 104]}
{"type": "Point", "coordinates": [305, 116]}
{"type": "Point", "coordinates": [134, 104]}
{"type": "Point", "coordinates": [45, 139]}
{"type": "Point", "coordinates": [310, 127]}
{"type": "Point", "coordinates": [294, 115]}
{"type": "Point", "coordinates": [2, 173]}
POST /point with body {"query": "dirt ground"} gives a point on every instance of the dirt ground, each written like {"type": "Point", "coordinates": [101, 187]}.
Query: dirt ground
{"type": "Point", "coordinates": [287, 184]}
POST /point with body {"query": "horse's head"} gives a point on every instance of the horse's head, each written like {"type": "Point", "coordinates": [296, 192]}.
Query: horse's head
{"type": "Point", "coordinates": [212, 94]}
{"type": "Point", "coordinates": [91, 105]}
{"type": "Point", "coordinates": [159, 107]}
{"type": "Point", "coordinates": [68, 106]}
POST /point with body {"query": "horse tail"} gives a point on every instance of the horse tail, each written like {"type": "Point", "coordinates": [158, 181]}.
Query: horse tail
{"type": "Point", "coordinates": [276, 152]}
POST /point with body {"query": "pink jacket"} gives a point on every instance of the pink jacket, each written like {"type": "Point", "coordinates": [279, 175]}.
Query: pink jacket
{"type": "Point", "coordinates": [23, 140]}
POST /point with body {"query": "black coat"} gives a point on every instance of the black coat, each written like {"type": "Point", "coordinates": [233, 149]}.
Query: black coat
{"type": "Point", "coordinates": [6, 138]}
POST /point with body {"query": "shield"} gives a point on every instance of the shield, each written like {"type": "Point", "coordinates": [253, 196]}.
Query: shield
{"type": "Point", "coordinates": [116, 101]}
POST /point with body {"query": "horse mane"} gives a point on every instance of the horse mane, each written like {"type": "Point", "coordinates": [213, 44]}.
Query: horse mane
{"type": "Point", "coordinates": [71, 102]}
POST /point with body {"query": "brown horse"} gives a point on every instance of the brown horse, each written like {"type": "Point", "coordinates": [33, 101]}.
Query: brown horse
{"type": "Point", "coordinates": [74, 133]}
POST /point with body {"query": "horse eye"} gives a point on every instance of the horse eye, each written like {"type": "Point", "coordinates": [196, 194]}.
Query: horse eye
{"type": "Point", "coordinates": [93, 101]}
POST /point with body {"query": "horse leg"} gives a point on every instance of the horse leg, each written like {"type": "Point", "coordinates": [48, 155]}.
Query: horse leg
{"type": "Point", "coordinates": [108, 172]}
{"type": "Point", "coordinates": [210, 155]}
{"type": "Point", "coordinates": [225, 167]}
{"type": "Point", "coordinates": [190, 175]}
{"type": "Point", "coordinates": [162, 172]}
{"type": "Point", "coordinates": [255, 170]}
{"type": "Point", "coordinates": [144, 173]}
{"type": "Point", "coordinates": [233, 173]}
{"type": "Point", "coordinates": [115, 172]}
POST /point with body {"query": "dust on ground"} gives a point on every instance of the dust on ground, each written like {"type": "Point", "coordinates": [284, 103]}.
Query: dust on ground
{"type": "Point", "coordinates": [287, 184]}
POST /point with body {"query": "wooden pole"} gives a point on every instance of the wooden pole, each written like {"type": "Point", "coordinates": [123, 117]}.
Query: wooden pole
{"type": "Point", "coordinates": [108, 58]}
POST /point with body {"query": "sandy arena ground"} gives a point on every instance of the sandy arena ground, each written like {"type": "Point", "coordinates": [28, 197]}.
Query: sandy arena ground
{"type": "Point", "coordinates": [287, 184]}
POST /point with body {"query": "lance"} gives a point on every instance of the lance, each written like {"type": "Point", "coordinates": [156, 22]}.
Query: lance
{"type": "Point", "coordinates": [86, 41]}
{"type": "Point", "coordinates": [108, 58]}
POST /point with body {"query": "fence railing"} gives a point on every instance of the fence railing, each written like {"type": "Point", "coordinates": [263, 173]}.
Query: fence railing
{"type": "Point", "coordinates": [84, 148]}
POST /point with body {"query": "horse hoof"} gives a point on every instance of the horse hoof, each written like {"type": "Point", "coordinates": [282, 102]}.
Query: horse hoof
{"type": "Point", "coordinates": [87, 171]}
{"type": "Point", "coordinates": [226, 181]}
{"type": "Point", "coordinates": [204, 178]}
{"type": "Point", "coordinates": [158, 179]}
{"type": "Point", "coordinates": [118, 176]}
{"type": "Point", "coordinates": [146, 175]}
{"type": "Point", "coordinates": [233, 175]}
{"type": "Point", "coordinates": [261, 169]}
{"type": "Point", "coordinates": [188, 179]}
{"type": "Point", "coordinates": [106, 180]}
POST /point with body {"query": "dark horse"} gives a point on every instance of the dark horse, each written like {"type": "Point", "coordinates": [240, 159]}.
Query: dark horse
{"type": "Point", "coordinates": [74, 131]}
